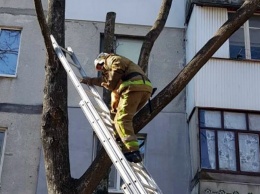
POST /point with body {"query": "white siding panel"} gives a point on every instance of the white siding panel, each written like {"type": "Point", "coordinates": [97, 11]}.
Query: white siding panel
{"type": "Point", "coordinates": [191, 37]}
{"type": "Point", "coordinates": [209, 20]}
{"type": "Point", "coordinates": [228, 84]}
{"type": "Point", "coordinates": [203, 24]}
{"type": "Point", "coordinates": [190, 52]}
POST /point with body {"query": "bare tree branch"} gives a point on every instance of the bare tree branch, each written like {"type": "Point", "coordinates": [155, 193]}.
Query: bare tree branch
{"type": "Point", "coordinates": [153, 34]}
{"type": "Point", "coordinates": [45, 30]}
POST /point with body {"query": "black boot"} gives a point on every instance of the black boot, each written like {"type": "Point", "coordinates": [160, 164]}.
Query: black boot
{"type": "Point", "coordinates": [134, 156]}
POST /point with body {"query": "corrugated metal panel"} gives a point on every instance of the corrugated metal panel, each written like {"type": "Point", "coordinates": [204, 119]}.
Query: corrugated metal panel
{"type": "Point", "coordinates": [190, 52]}
{"type": "Point", "coordinates": [209, 20]}
{"type": "Point", "coordinates": [203, 24]}
{"type": "Point", "coordinates": [228, 84]}
{"type": "Point", "coordinates": [191, 37]}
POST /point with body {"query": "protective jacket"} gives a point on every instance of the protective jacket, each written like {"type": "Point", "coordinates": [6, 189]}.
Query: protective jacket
{"type": "Point", "coordinates": [131, 89]}
{"type": "Point", "coordinates": [121, 74]}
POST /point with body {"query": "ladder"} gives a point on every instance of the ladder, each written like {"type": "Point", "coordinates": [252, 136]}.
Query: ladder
{"type": "Point", "coordinates": [137, 179]}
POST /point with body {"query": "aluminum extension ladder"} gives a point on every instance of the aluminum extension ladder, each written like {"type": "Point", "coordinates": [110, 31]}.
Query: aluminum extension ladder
{"type": "Point", "coordinates": [136, 178]}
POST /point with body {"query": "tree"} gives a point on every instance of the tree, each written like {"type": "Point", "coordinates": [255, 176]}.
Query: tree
{"type": "Point", "coordinates": [54, 131]}
{"type": "Point", "coordinates": [109, 32]}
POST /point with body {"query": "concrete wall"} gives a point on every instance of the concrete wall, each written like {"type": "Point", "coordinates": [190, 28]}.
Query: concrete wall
{"type": "Point", "coordinates": [20, 102]}
{"type": "Point", "coordinates": [21, 154]}
{"type": "Point", "coordinates": [167, 139]}
{"type": "Point", "coordinates": [166, 135]}
{"type": "Point", "coordinates": [138, 12]}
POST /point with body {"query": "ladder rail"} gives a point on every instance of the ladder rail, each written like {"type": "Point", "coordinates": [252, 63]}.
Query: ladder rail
{"type": "Point", "coordinates": [106, 138]}
{"type": "Point", "coordinates": [136, 177]}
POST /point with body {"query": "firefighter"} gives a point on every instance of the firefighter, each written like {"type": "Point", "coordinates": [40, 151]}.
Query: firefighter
{"type": "Point", "coordinates": [130, 90]}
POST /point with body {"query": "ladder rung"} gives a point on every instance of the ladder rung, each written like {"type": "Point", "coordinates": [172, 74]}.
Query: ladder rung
{"type": "Point", "coordinates": [136, 178]}
{"type": "Point", "coordinates": [65, 50]}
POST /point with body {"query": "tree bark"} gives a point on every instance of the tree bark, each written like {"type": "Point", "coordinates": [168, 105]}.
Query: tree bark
{"type": "Point", "coordinates": [153, 34]}
{"type": "Point", "coordinates": [109, 31]}
{"type": "Point", "coordinates": [54, 129]}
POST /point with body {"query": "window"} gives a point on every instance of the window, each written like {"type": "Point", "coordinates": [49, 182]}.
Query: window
{"type": "Point", "coordinates": [2, 146]}
{"type": "Point", "coordinates": [115, 182]}
{"type": "Point", "coordinates": [129, 48]}
{"type": "Point", "coordinates": [9, 50]}
{"type": "Point", "coordinates": [229, 141]}
{"type": "Point", "coordinates": [245, 43]}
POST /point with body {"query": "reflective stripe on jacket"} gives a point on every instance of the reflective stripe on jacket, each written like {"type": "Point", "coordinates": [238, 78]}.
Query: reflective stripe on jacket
{"type": "Point", "coordinates": [117, 67]}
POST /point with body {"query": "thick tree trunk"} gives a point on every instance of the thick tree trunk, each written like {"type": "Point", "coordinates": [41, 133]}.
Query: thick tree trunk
{"type": "Point", "coordinates": [54, 117]}
{"type": "Point", "coordinates": [109, 30]}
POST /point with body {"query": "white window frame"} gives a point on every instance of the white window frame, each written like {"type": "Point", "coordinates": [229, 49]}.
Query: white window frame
{"type": "Point", "coordinates": [18, 55]}
{"type": "Point", "coordinates": [2, 130]}
{"type": "Point", "coordinates": [117, 188]}
{"type": "Point", "coordinates": [246, 29]}
{"type": "Point", "coordinates": [237, 127]}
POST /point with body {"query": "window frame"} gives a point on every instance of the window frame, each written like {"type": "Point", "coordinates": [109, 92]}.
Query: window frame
{"type": "Point", "coordinates": [96, 144]}
{"type": "Point", "coordinates": [236, 136]}
{"type": "Point", "coordinates": [18, 55]}
{"type": "Point", "coordinates": [2, 130]}
{"type": "Point", "coordinates": [247, 43]}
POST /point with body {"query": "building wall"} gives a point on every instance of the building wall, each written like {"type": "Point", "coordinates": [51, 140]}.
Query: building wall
{"type": "Point", "coordinates": [138, 12]}
{"type": "Point", "coordinates": [221, 83]}
{"type": "Point", "coordinates": [203, 24]}
{"type": "Point", "coordinates": [20, 102]}
{"type": "Point", "coordinates": [167, 133]}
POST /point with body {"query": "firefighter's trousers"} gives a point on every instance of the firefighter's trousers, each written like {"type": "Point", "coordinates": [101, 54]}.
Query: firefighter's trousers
{"type": "Point", "coordinates": [130, 102]}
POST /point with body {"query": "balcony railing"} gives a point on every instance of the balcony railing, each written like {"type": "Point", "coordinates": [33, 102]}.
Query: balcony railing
{"type": "Point", "coordinates": [212, 3]}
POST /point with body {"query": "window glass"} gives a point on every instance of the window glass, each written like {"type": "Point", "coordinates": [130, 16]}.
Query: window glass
{"type": "Point", "coordinates": [2, 135]}
{"type": "Point", "coordinates": [249, 152]}
{"type": "Point", "coordinates": [115, 181]}
{"type": "Point", "coordinates": [112, 178]}
{"type": "Point", "coordinates": [234, 120]}
{"type": "Point", "coordinates": [129, 48]}
{"type": "Point", "coordinates": [245, 43]}
{"type": "Point", "coordinates": [2, 145]}
{"type": "Point", "coordinates": [237, 45]}
{"type": "Point", "coordinates": [208, 153]}
{"type": "Point", "coordinates": [226, 150]}
{"type": "Point", "coordinates": [254, 30]}
{"type": "Point", "coordinates": [9, 48]}
{"type": "Point", "coordinates": [210, 119]}
{"type": "Point", "coordinates": [234, 146]}
{"type": "Point", "coordinates": [254, 122]}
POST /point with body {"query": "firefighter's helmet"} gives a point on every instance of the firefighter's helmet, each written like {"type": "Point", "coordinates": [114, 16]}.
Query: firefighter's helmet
{"type": "Point", "coordinates": [100, 61]}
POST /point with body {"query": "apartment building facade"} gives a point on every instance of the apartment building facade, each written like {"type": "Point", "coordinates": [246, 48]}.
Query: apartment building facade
{"type": "Point", "coordinates": [205, 141]}
{"type": "Point", "coordinates": [222, 104]}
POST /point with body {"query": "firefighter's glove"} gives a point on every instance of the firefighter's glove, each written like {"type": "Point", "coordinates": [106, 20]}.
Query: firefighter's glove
{"type": "Point", "coordinates": [105, 85]}
{"type": "Point", "coordinates": [114, 101]}
{"type": "Point", "coordinates": [86, 80]}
